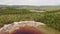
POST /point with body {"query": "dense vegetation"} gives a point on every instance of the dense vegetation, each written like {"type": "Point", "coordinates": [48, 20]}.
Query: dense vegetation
{"type": "Point", "coordinates": [9, 15]}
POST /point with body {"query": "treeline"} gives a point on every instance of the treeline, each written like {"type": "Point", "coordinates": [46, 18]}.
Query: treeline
{"type": "Point", "coordinates": [13, 11]}
{"type": "Point", "coordinates": [9, 15]}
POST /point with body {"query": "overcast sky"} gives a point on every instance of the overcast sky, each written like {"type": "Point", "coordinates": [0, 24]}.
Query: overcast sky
{"type": "Point", "coordinates": [30, 2]}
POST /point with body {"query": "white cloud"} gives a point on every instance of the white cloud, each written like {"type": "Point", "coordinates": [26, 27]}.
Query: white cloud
{"type": "Point", "coordinates": [30, 2]}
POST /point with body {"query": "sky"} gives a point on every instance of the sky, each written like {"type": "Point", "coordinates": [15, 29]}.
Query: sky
{"type": "Point", "coordinates": [30, 2]}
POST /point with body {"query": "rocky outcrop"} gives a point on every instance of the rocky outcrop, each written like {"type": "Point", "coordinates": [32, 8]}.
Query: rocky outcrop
{"type": "Point", "coordinates": [8, 28]}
